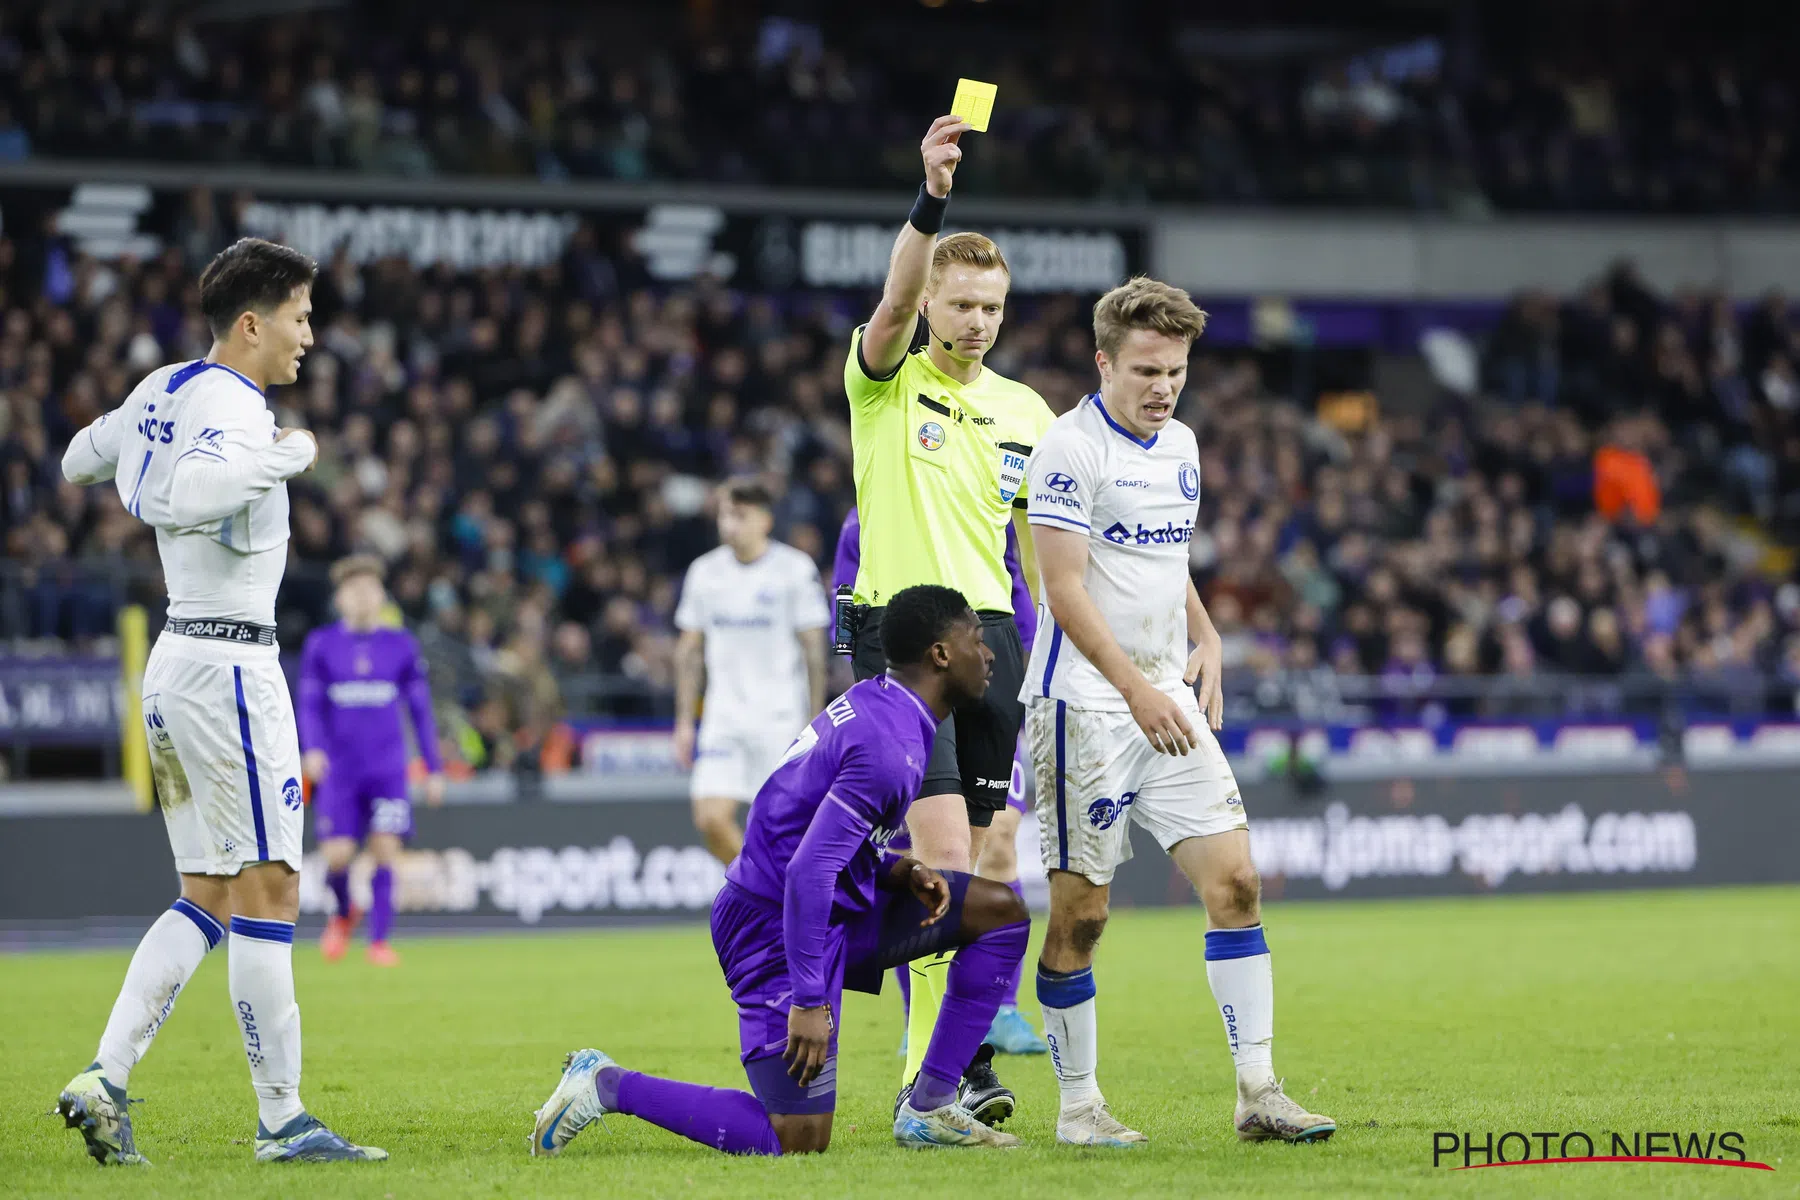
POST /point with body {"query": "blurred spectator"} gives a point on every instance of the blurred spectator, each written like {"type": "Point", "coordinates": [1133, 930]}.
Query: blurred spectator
{"type": "Point", "coordinates": [537, 486]}
{"type": "Point", "coordinates": [1697, 119]}
{"type": "Point", "coordinates": [1625, 480]}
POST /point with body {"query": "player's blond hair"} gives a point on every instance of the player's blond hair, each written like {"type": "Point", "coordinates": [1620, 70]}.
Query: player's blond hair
{"type": "Point", "coordinates": [1145, 303]}
{"type": "Point", "coordinates": [356, 564]}
{"type": "Point", "coordinates": [968, 249]}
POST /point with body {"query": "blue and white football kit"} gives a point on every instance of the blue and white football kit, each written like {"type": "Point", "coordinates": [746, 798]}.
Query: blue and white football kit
{"type": "Point", "coordinates": [1097, 774]}
{"type": "Point", "coordinates": [193, 453]}
{"type": "Point", "coordinates": [756, 682]}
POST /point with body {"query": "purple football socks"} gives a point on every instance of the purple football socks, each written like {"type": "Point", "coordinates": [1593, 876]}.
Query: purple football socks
{"type": "Point", "coordinates": [381, 903]}
{"type": "Point", "coordinates": [339, 883]}
{"type": "Point", "coordinates": [726, 1120]}
{"type": "Point", "coordinates": [978, 978]}
{"type": "Point", "coordinates": [1010, 997]}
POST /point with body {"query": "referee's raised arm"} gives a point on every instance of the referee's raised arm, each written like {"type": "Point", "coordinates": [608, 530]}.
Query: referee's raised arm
{"type": "Point", "coordinates": [890, 330]}
{"type": "Point", "coordinates": [941, 448]}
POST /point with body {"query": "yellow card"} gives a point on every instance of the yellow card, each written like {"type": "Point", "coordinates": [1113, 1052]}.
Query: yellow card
{"type": "Point", "coordinates": [974, 103]}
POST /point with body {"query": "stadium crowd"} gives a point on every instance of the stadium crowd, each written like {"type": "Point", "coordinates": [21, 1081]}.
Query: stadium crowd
{"type": "Point", "coordinates": [532, 454]}
{"type": "Point", "coordinates": [1465, 123]}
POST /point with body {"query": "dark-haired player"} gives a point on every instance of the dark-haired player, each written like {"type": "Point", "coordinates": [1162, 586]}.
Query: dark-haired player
{"type": "Point", "coordinates": [194, 453]}
{"type": "Point", "coordinates": [1012, 1032]}
{"type": "Point", "coordinates": [809, 908]}
{"type": "Point", "coordinates": [752, 618]}
{"type": "Point", "coordinates": [355, 674]}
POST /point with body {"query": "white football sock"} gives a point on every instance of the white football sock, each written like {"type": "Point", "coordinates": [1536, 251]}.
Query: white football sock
{"type": "Point", "coordinates": [1243, 985]}
{"type": "Point", "coordinates": [268, 1019]}
{"type": "Point", "coordinates": [165, 960]}
{"type": "Point", "coordinates": [1072, 1027]}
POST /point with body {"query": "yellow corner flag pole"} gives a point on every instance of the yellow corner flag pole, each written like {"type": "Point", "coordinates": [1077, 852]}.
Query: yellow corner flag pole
{"type": "Point", "coordinates": [134, 750]}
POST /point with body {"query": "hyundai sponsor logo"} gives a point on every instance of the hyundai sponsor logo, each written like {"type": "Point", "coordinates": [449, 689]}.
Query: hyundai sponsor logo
{"type": "Point", "coordinates": [1055, 501]}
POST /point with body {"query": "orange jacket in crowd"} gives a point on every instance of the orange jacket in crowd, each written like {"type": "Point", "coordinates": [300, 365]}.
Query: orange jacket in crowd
{"type": "Point", "coordinates": [1624, 480]}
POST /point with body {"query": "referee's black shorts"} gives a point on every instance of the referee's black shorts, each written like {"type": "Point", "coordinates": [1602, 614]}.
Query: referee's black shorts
{"type": "Point", "coordinates": [973, 754]}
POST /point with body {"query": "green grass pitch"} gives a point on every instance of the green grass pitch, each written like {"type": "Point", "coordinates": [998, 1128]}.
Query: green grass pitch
{"type": "Point", "coordinates": [1644, 1011]}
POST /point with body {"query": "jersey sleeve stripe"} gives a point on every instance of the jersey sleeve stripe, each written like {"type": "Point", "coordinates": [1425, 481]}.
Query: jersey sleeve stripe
{"type": "Point", "coordinates": [862, 364]}
{"type": "Point", "coordinates": [856, 816]}
{"type": "Point", "coordinates": [144, 470]}
{"type": "Point", "coordinates": [1040, 518]}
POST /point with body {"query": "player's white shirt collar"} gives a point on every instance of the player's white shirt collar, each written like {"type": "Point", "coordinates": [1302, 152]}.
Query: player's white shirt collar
{"type": "Point", "coordinates": [1100, 407]}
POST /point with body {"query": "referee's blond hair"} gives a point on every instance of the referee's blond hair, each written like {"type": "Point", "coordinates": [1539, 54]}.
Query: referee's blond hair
{"type": "Point", "coordinates": [1145, 303]}
{"type": "Point", "coordinates": [968, 249]}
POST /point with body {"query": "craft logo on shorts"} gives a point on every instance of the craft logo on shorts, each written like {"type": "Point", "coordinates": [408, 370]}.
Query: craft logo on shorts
{"type": "Point", "coordinates": [1190, 481]}
{"type": "Point", "coordinates": [290, 793]}
{"type": "Point", "coordinates": [931, 435]}
{"type": "Point", "coordinates": [1105, 812]}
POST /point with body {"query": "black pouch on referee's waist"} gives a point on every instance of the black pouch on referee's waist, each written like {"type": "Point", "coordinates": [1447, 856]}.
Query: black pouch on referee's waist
{"type": "Point", "coordinates": [850, 618]}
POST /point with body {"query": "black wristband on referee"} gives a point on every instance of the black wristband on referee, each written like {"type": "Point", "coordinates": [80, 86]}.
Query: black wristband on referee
{"type": "Point", "coordinates": [927, 215]}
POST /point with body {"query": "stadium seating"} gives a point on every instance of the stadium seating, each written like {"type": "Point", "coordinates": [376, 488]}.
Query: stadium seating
{"type": "Point", "coordinates": [531, 456]}
{"type": "Point", "coordinates": [1419, 115]}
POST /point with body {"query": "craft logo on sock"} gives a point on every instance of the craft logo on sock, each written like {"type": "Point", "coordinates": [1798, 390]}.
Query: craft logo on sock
{"type": "Point", "coordinates": [163, 1015]}
{"type": "Point", "coordinates": [1516, 1148]}
{"type": "Point", "coordinates": [1230, 1025]}
{"type": "Point", "coordinates": [252, 1038]}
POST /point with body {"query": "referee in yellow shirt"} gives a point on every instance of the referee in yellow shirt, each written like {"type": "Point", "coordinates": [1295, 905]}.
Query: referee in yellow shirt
{"type": "Point", "coordinates": [941, 445]}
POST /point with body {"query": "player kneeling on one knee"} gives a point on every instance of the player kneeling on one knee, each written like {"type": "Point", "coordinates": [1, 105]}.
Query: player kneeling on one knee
{"type": "Point", "coordinates": [811, 907]}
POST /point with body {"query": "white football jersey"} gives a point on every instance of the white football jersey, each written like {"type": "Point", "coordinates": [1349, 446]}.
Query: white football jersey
{"type": "Point", "coordinates": [1137, 501]}
{"type": "Point", "coordinates": [750, 614]}
{"type": "Point", "coordinates": [193, 453]}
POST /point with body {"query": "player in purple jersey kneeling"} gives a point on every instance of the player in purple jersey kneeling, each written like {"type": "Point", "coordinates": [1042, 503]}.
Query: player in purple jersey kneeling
{"type": "Point", "coordinates": [1012, 1032]}
{"type": "Point", "coordinates": [353, 677]}
{"type": "Point", "coordinates": [810, 908]}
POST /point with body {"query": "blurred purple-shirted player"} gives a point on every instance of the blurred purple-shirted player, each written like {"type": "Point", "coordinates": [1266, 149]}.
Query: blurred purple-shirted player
{"type": "Point", "coordinates": [1012, 1032]}
{"type": "Point", "coordinates": [811, 906]}
{"type": "Point", "coordinates": [354, 676]}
